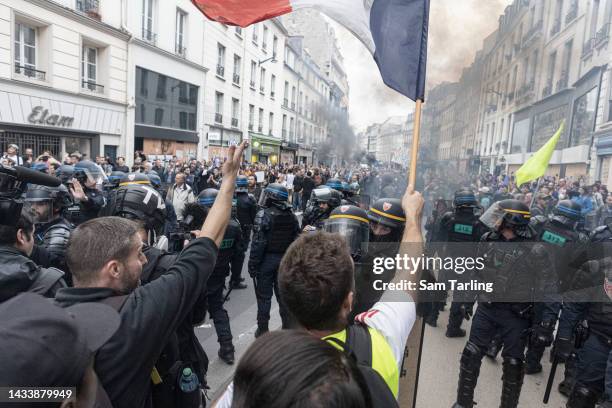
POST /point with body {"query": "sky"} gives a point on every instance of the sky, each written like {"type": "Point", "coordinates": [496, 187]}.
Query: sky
{"type": "Point", "coordinates": [456, 31]}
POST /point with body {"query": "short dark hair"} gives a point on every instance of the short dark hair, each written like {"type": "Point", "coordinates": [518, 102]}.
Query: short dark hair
{"type": "Point", "coordinates": [8, 234]}
{"type": "Point", "coordinates": [96, 242]}
{"type": "Point", "coordinates": [315, 277]}
{"type": "Point", "coordinates": [313, 373]}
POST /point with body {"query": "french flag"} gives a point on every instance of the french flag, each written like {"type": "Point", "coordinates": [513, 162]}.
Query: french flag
{"type": "Point", "coordinates": [394, 31]}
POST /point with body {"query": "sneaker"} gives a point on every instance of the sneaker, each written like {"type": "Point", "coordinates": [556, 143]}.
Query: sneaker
{"type": "Point", "coordinates": [226, 353]}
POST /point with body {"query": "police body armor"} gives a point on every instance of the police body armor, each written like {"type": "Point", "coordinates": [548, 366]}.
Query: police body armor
{"type": "Point", "coordinates": [460, 226]}
{"type": "Point", "coordinates": [228, 247]}
{"type": "Point", "coordinates": [282, 229]}
{"type": "Point", "coordinates": [54, 237]}
{"type": "Point", "coordinates": [246, 207]}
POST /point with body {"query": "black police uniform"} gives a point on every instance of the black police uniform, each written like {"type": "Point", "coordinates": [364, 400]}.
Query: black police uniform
{"type": "Point", "coordinates": [51, 241]}
{"type": "Point", "coordinates": [589, 302]}
{"type": "Point", "coordinates": [519, 271]}
{"type": "Point", "coordinates": [246, 210]}
{"type": "Point", "coordinates": [459, 226]}
{"type": "Point", "coordinates": [275, 228]}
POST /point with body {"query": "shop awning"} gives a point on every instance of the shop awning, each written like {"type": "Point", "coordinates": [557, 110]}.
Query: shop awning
{"type": "Point", "coordinates": [152, 132]}
{"type": "Point", "coordinates": [266, 139]}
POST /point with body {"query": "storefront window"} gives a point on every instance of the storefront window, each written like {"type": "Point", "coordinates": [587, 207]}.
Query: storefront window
{"type": "Point", "coordinates": [583, 118]}
{"type": "Point", "coordinates": [520, 136]}
{"type": "Point", "coordinates": [545, 125]}
{"type": "Point", "coordinates": [174, 102]}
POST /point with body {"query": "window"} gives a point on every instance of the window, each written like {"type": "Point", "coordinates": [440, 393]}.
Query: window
{"type": "Point", "coordinates": [218, 107]}
{"type": "Point", "coordinates": [220, 60]}
{"type": "Point", "coordinates": [291, 127]}
{"type": "Point", "coordinates": [272, 86]}
{"type": "Point", "coordinates": [191, 125]}
{"type": "Point", "coordinates": [235, 111]}
{"type": "Point", "coordinates": [87, 6]}
{"type": "Point", "coordinates": [300, 105]}
{"type": "Point", "coordinates": [584, 118]}
{"type": "Point", "coordinates": [237, 64]}
{"type": "Point", "coordinates": [25, 51]}
{"type": "Point", "coordinates": [286, 95]}
{"type": "Point", "coordinates": [89, 69]}
{"type": "Point", "coordinates": [284, 126]}
{"type": "Point", "coordinates": [255, 34]}
{"type": "Point", "coordinates": [161, 87]}
{"type": "Point", "coordinates": [144, 77]}
{"type": "Point", "coordinates": [262, 80]}
{"type": "Point", "coordinates": [552, 61]}
{"type": "Point", "coordinates": [239, 31]}
{"type": "Point", "coordinates": [147, 21]}
{"type": "Point", "coordinates": [264, 40]}
{"type": "Point", "coordinates": [261, 115]}
{"type": "Point", "coordinates": [567, 59]}
{"type": "Point", "coordinates": [182, 86]}
{"type": "Point", "coordinates": [293, 98]}
{"type": "Point", "coordinates": [274, 46]}
{"type": "Point", "coordinates": [193, 95]}
{"type": "Point", "coordinates": [271, 123]}
{"type": "Point", "coordinates": [181, 19]}
{"type": "Point", "coordinates": [143, 115]}
{"type": "Point", "coordinates": [253, 73]}
{"type": "Point", "coordinates": [159, 116]}
{"type": "Point", "coordinates": [183, 120]}
{"type": "Point", "coordinates": [251, 117]}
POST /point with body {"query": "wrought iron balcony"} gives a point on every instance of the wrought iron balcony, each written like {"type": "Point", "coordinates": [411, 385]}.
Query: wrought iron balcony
{"type": "Point", "coordinates": [30, 72]}
{"type": "Point", "coordinates": [92, 86]}
{"type": "Point", "coordinates": [572, 13]}
{"type": "Point", "coordinates": [532, 34]}
{"type": "Point", "coordinates": [236, 79]}
{"type": "Point", "coordinates": [86, 6]}
{"type": "Point", "coordinates": [218, 118]}
{"type": "Point", "coordinates": [262, 89]}
{"type": "Point", "coordinates": [149, 36]}
{"type": "Point", "coordinates": [235, 122]}
{"type": "Point", "coordinates": [562, 82]}
{"type": "Point", "coordinates": [602, 36]}
{"type": "Point", "coordinates": [253, 84]}
{"type": "Point", "coordinates": [221, 70]}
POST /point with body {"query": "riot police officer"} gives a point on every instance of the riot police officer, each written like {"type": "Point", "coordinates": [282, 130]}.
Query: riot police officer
{"type": "Point", "coordinates": [88, 179]}
{"type": "Point", "coordinates": [275, 228]}
{"type": "Point", "coordinates": [144, 205]}
{"type": "Point", "coordinates": [228, 251]}
{"type": "Point", "coordinates": [458, 226]}
{"type": "Point", "coordinates": [323, 200]}
{"type": "Point", "coordinates": [246, 210]}
{"type": "Point", "coordinates": [519, 272]}
{"type": "Point", "coordinates": [587, 301]}
{"type": "Point", "coordinates": [52, 229]}
{"type": "Point", "coordinates": [567, 247]}
{"type": "Point", "coordinates": [387, 220]}
{"type": "Point", "coordinates": [114, 179]}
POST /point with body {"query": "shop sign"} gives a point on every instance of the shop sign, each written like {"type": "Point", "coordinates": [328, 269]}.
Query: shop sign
{"type": "Point", "coordinates": [41, 116]}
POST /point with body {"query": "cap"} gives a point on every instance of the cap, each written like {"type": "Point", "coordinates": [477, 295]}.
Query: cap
{"type": "Point", "coordinates": [48, 346]}
{"type": "Point", "coordinates": [14, 146]}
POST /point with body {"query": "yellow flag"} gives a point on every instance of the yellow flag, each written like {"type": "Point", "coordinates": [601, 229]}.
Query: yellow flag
{"type": "Point", "coordinates": [536, 165]}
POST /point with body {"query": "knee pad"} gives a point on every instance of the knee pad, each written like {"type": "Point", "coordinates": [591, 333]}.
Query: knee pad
{"type": "Point", "coordinates": [513, 368]}
{"type": "Point", "coordinates": [471, 356]}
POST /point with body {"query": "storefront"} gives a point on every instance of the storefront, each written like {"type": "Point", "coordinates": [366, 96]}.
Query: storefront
{"type": "Point", "coordinates": [44, 120]}
{"type": "Point", "coordinates": [288, 152]}
{"type": "Point", "coordinates": [220, 139]}
{"type": "Point", "coordinates": [304, 155]}
{"type": "Point", "coordinates": [264, 149]}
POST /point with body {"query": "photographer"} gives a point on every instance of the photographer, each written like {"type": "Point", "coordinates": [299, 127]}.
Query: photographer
{"type": "Point", "coordinates": [106, 260]}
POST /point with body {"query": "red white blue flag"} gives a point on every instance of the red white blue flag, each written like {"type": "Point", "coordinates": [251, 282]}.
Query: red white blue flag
{"type": "Point", "coordinates": [394, 31]}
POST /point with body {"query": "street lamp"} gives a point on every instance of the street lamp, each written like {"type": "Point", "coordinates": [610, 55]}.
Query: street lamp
{"type": "Point", "coordinates": [271, 59]}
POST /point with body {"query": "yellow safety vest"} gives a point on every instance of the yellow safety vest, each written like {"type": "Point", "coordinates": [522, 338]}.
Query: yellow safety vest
{"type": "Point", "coordinates": [383, 360]}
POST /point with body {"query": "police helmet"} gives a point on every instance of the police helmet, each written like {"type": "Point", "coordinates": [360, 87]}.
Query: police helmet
{"type": "Point", "coordinates": [387, 212]}
{"type": "Point", "coordinates": [514, 213]}
{"type": "Point", "coordinates": [242, 184]}
{"type": "Point", "coordinates": [140, 202]}
{"type": "Point", "coordinates": [132, 179]}
{"type": "Point", "coordinates": [114, 179]}
{"type": "Point", "coordinates": [273, 193]}
{"type": "Point", "coordinates": [464, 198]}
{"type": "Point", "coordinates": [154, 179]}
{"type": "Point", "coordinates": [327, 195]}
{"type": "Point", "coordinates": [86, 170]}
{"type": "Point", "coordinates": [352, 223]}
{"type": "Point", "coordinates": [65, 173]}
{"type": "Point", "coordinates": [40, 167]}
{"type": "Point", "coordinates": [567, 212]}
{"type": "Point", "coordinates": [44, 201]}
{"type": "Point", "coordinates": [207, 197]}
{"type": "Point", "coordinates": [334, 183]}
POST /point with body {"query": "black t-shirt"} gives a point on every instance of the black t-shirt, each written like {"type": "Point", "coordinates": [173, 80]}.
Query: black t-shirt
{"type": "Point", "coordinates": [149, 316]}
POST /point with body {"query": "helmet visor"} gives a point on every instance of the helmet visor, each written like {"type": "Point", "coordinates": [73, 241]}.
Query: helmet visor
{"type": "Point", "coordinates": [493, 216]}
{"type": "Point", "coordinates": [354, 230]}
{"type": "Point", "coordinates": [41, 209]}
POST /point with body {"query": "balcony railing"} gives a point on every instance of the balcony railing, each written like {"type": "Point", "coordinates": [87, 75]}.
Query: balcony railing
{"type": "Point", "coordinates": [262, 89]}
{"type": "Point", "coordinates": [180, 50]}
{"type": "Point", "coordinates": [30, 72]}
{"type": "Point", "coordinates": [286, 103]}
{"type": "Point", "coordinates": [562, 82]}
{"type": "Point", "coordinates": [218, 118]}
{"type": "Point", "coordinates": [92, 86]}
{"type": "Point", "coordinates": [572, 13]}
{"type": "Point", "coordinates": [602, 36]}
{"type": "Point", "coordinates": [149, 36]}
{"type": "Point", "coordinates": [587, 48]}
{"type": "Point", "coordinates": [253, 84]}
{"type": "Point", "coordinates": [532, 34]}
{"type": "Point", "coordinates": [235, 122]}
{"type": "Point", "coordinates": [547, 89]}
{"type": "Point", "coordinates": [555, 28]}
{"type": "Point", "coordinates": [491, 109]}
{"type": "Point", "coordinates": [221, 70]}
{"type": "Point", "coordinates": [525, 92]}
{"type": "Point", "coordinates": [236, 79]}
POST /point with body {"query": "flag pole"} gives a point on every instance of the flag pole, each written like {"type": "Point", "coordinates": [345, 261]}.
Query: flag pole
{"type": "Point", "coordinates": [533, 197]}
{"type": "Point", "coordinates": [414, 153]}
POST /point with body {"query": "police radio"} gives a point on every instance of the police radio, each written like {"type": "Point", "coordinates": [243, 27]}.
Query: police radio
{"type": "Point", "coordinates": [13, 184]}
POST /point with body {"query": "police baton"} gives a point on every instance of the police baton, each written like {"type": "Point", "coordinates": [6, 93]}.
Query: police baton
{"type": "Point", "coordinates": [551, 379]}
{"type": "Point", "coordinates": [228, 293]}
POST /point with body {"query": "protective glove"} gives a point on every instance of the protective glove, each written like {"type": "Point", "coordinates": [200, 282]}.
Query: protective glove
{"type": "Point", "coordinates": [542, 335]}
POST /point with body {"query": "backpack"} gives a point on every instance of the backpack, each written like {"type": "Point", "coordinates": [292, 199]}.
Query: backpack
{"type": "Point", "coordinates": [358, 346]}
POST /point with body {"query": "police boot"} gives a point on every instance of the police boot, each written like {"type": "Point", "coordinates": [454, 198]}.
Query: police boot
{"type": "Point", "coordinates": [453, 329]}
{"type": "Point", "coordinates": [582, 397]}
{"type": "Point", "coordinates": [262, 328]}
{"type": "Point", "coordinates": [226, 353]}
{"type": "Point", "coordinates": [565, 386]}
{"type": "Point", "coordinates": [512, 379]}
{"type": "Point", "coordinates": [469, 370]}
{"type": "Point", "coordinates": [494, 347]}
